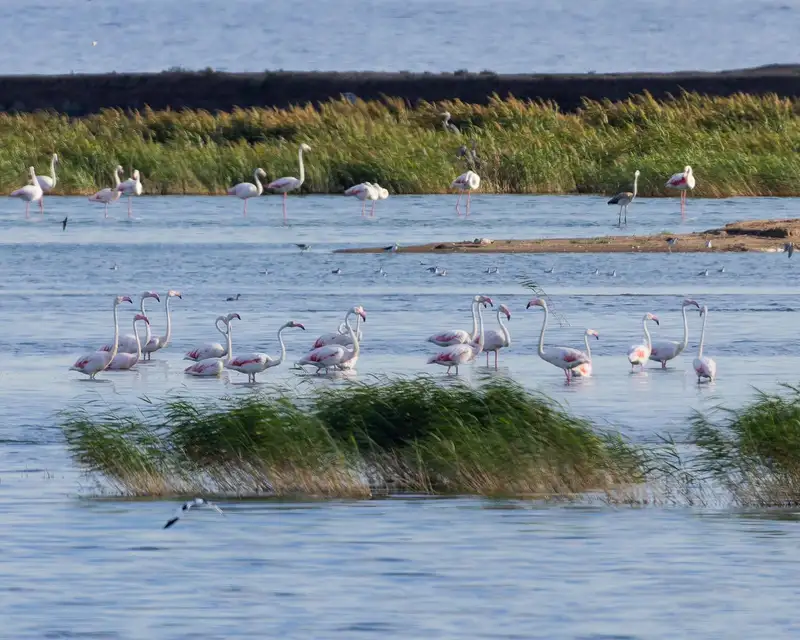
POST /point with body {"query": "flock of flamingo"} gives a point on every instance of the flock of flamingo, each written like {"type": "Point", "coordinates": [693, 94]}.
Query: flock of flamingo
{"type": "Point", "coordinates": [340, 350]}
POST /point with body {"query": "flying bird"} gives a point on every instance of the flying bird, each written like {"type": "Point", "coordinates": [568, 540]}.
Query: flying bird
{"type": "Point", "coordinates": [303, 247]}
{"type": "Point", "coordinates": [64, 224]}
{"type": "Point", "coordinates": [197, 502]}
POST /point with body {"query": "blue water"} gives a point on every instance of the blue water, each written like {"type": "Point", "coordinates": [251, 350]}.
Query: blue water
{"type": "Point", "coordinates": [77, 566]}
{"type": "Point", "coordinates": [393, 35]}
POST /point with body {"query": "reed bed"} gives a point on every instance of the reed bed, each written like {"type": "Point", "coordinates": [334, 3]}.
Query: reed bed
{"type": "Point", "coordinates": [738, 146]}
{"type": "Point", "coordinates": [402, 435]}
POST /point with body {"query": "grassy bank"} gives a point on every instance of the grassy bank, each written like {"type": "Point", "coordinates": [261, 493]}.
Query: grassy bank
{"type": "Point", "coordinates": [405, 435]}
{"type": "Point", "coordinates": [741, 145]}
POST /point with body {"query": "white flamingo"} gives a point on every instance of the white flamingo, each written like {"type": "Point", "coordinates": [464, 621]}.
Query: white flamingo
{"type": "Point", "coordinates": [351, 362]}
{"type": "Point", "coordinates": [585, 370]}
{"type": "Point", "coordinates": [458, 354]}
{"type": "Point", "coordinates": [48, 183]}
{"type": "Point", "coordinates": [93, 363]}
{"type": "Point", "coordinates": [131, 187]}
{"type": "Point", "coordinates": [253, 363]}
{"type": "Point", "coordinates": [109, 194]}
{"type": "Point", "coordinates": [663, 350]}
{"type": "Point", "coordinates": [364, 191]}
{"type": "Point", "coordinates": [124, 361]}
{"type": "Point", "coordinates": [704, 366]}
{"type": "Point", "coordinates": [159, 342]}
{"type": "Point", "coordinates": [211, 367]}
{"type": "Point", "coordinates": [684, 182]}
{"type": "Point", "coordinates": [566, 358]}
{"type": "Point", "coordinates": [624, 198]}
{"type": "Point", "coordinates": [284, 185]}
{"type": "Point", "coordinates": [640, 353]}
{"type": "Point", "coordinates": [247, 190]}
{"type": "Point", "coordinates": [30, 192]}
{"type": "Point", "coordinates": [128, 342]}
{"type": "Point", "coordinates": [496, 340]}
{"type": "Point", "coordinates": [332, 355]}
{"type": "Point", "coordinates": [459, 336]}
{"type": "Point", "coordinates": [469, 182]}
{"type": "Point", "coordinates": [343, 335]}
{"type": "Point", "coordinates": [213, 349]}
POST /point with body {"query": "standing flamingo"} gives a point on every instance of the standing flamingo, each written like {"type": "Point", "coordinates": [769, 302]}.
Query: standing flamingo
{"type": "Point", "coordinates": [108, 195]}
{"type": "Point", "coordinates": [663, 350]}
{"type": "Point", "coordinates": [124, 361]}
{"type": "Point", "coordinates": [93, 363]}
{"type": "Point", "coordinates": [131, 187]}
{"type": "Point", "coordinates": [624, 198]}
{"type": "Point", "coordinates": [246, 190]}
{"type": "Point", "coordinates": [363, 191]}
{"type": "Point", "coordinates": [468, 182]}
{"type": "Point", "coordinates": [284, 185]}
{"type": "Point", "coordinates": [332, 355]}
{"type": "Point", "coordinates": [585, 370]}
{"type": "Point", "coordinates": [253, 363]}
{"type": "Point", "coordinates": [640, 353]}
{"type": "Point", "coordinates": [128, 343]}
{"type": "Point", "coordinates": [350, 363]}
{"type": "Point", "coordinates": [47, 183]}
{"type": "Point", "coordinates": [30, 192]}
{"type": "Point", "coordinates": [343, 336]}
{"type": "Point", "coordinates": [704, 366]}
{"type": "Point", "coordinates": [684, 182]}
{"type": "Point", "coordinates": [565, 358]}
{"type": "Point", "coordinates": [459, 354]}
{"type": "Point", "coordinates": [459, 336]}
{"type": "Point", "coordinates": [496, 340]}
{"type": "Point", "coordinates": [382, 195]}
{"type": "Point", "coordinates": [159, 342]}
{"type": "Point", "coordinates": [210, 367]}
{"type": "Point", "coordinates": [213, 349]}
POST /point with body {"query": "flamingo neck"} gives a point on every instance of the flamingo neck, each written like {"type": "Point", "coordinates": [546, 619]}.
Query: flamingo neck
{"type": "Point", "coordinates": [224, 330]}
{"type": "Point", "coordinates": [147, 332]}
{"type": "Point", "coordinates": [647, 334]}
{"type": "Point", "coordinates": [480, 331]}
{"type": "Point", "coordinates": [228, 334]}
{"type": "Point", "coordinates": [283, 348]}
{"type": "Point", "coordinates": [475, 305]}
{"type": "Point", "coordinates": [116, 177]}
{"type": "Point", "coordinates": [53, 169]}
{"type": "Point", "coordinates": [302, 168]}
{"type": "Point", "coordinates": [544, 326]}
{"type": "Point", "coordinates": [588, 348]}
{"type": "Point", "coordinates": [259, 186]}
{"type": "Point", "coordinates": [33, 177]}
{"type": "Point", "coordinates": [702, 336]}
{"type": "Point", "coordinates": [635, 187]}
{"type": "Point", "coordinates": [167, 337]}
{"type": "Point", "coordinates": [358, 325]}
{"type": "Point", "coordinates": [503, 328]}
{"type": "Point", "coordinates": [354, 337]}
{"type": "Point", "coordinates": [685, 341]}
{"type": "Point", "coordinates": [138, 343]}
{"type": "Point", "coordinates": [116, 334]}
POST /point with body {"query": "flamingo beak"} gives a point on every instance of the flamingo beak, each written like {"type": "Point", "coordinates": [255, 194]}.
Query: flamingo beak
{"type": "Point", "coordinates": [596, 336]}
{"type": "Point", "coordinates": [237, 316]}
{"type": "Point", "coordinates": [528, 306]}
{"type": "Point", "coordinates": [363, 315]}
{"type": "Point", "coordinates": [146, 320]}
{"type": "Point", "coordinates": [127, 299]}
{"type": "Point", "coordinates": [156, 296]}
{"type": "Point", "coordinates": [297, 324]}
{"type": "Point", "coordinates": [656, 321]}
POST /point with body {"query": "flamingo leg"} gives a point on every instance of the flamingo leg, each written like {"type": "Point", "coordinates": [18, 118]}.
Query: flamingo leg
{"type": "Point", "coordinates": [458, 202]}
{"type": "Point", "coordinates": [619, 219]}
{"type": "Point", "coordinates": [469, 196]}
{"type": "Point", "coordinates": [284, 208]}
{"type": "Point", "coordinates": [372, 211]}
{"type": "Point", "coordinates": [487, 358]}
{"type": "Point", "coordinates": [245, 207]}
{"type": "Point", "coordinates": [626, 214]}
{"type": "Point", "coordinates": [41, 205]}
{"type": "Point", "coordinates": [363, 206]}
{"type": "Point", "coordinates": [495, 360]}
{"type": "Point", "coordinates": [663, 364]}
{"type": "Point", "coordinates": [106, 211]}
{"type": "Point", "coordinates": [27, 206]}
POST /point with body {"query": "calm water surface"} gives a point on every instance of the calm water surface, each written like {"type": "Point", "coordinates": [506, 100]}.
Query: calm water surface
{"type": "Point", "coordinates": [401, 568]}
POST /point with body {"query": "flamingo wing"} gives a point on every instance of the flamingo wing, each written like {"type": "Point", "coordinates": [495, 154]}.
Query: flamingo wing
{"type": "Point", "coordinates": [208, 350]}
{"type": "Point", "coordinates": [448, 338]}
{"type": "Point", "coordinates": [123, 361]}
{"type": "Point", "coordinates": [45, 183]}
{"type": "Point", "coordinates": [664, 350]}
{"type": "Point", "coordinates": [638, 354]}
{"type": "Point", "coordinates": [677, 180]}
{"type": "Point", "coordinates": [248, 363]}
{"type": "Point", "coordinates": [244, 190]}
{"type": "Point", "coordinates": [565, 357]}
{"type": "Point", "coordinates": [284, 184]}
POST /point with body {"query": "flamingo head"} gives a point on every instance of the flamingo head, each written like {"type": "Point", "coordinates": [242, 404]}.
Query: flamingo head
{"type": "Point", "coordinates": [231, 316]}
{"type": "Point", "coordinates": [174, 294]}
{"type": "Point", "coordinates": [292, 323]}
{"type": "Point", "coordinates": [637, 173]}
{"type": "Point", "coordinates": [445, 114]}
{"type": "Point", "coordinates": [689, 302]}
{"type": "Point", "coordinates": [121, 299]}
{"type": "Point", "coordinates": [55, 159]}
{"type": "Point", "coordinates": [359, 311]}
{"type": "Point", "coordinates": [120, 169]}
{"type": "Point", "coordinates": [503, 308]}
{"type": "Point", "coordinates": [151, 294]}
{"type": "Point", "coordinates": [142, 317]}
{"type": "Point", "coordinates": [703, 310]}
{"type": "Point", "coordinates": [486, 301]}
{"type": "Point", "coordinates": [592, 332]}
{"type": "Point", "coordinates": [687, 169]}
{"type": "Point", "coordinates": [261, 173]}
{"type": "Point", "coordinates": [32, 172]}
{"type": "Point", "coordinates": [536, 302]}
{"type": "Point", "coordinates": [650, 316]}
{"type": "Point", "coordinates": [136, 175]}
{"type": "Point", "coordinates": [305, 147]}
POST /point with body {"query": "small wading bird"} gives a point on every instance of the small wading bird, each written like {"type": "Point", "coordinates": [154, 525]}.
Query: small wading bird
{"type": "Point", "coordinates": [232, 299]}
{"type": "Point", "coordinates": [186, 506]}
{"type": "Point", "coordinates": [585, 370]}
{"type": "Point", "coordinates": [64, 223]}
{"type": "Point", "coordinates": [108, 195]}
{"type": "Point", "coordinates": [247, 190]}
{"type": "Point", "coordinates": [624, 198]}
{"type": "Point", "coordinates": [30, 192]}
{"type": "Point", "coordinates": [303, 247]}
{"type": "Point", "coordinates": [253, 363]}
{"type": "Point", "coordinates": [131, 187]}
{"type": "Point", "coordinates": [93, 363]}
{"type": "Point", "coordinates": [684, 182]}
{"type": "Point", "coordinates": [789, 249]}
{"type": "Point", "coordinates": [495, 340]}
{"type": "Point", "coordinates": [48, 183]}
{"type": "Point", "coordinates": [704, 366]}
{"type": "Point", "coordinates": [664, 350]}
{"type": "Point", "coordinates": [566, 358]}
{"type": "Point", "coordinates": [284, 185]}
{"type": "Point", "coordinates": [640, 353]}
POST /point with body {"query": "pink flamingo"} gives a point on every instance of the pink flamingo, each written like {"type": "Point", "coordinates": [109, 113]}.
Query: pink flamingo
{"type": "Point", "coordinates": [332, 355]}
{"type": "Point", "coordinates": [128, 343]}
{"type": "Point", "coordinates": [565, 358]}
{"type": "Point", "coordinates": [364, 191]}
{"type": "Point", "coordinates": [496, 340]}
{"type": "Point", "coordinates": [246, 190]}
{"type": "Point", "coordinates": [458, 354]}
{"type": "Point", "coordinates": [663, 350]}
{"type": "Point", "coordinates": [124, 361]}
{"type": "Point", "coordinates": [684, 182]}
{"type": "Point", "coordinates": [640, 353]}
{"type": "Point", "coordinates": [108, 195]}
{"type": "Point", "coordinates": [48, 183]}
{"type": "Point", "coordinates": [459, 336]}
{"type": "Point", "coordinates": [284, 185]}
{"type": "Point", "coordinates": [253, 363]}
{"type": "Point", "coordinates": [210, 367]}
{"type": "Point", "coordinates": [159, 342]}
{"type": "Point", "coordinates": [93, 363]}
{"type": "Point", "coordinates": [30, 192]}
{"type": "Point", "coordinates": [213, 349]}
{"type": "Point", "coordinates": [704, 366]}
{"type": "Point", "coordinates": [131, 187]}
{"type": "Point", "coordinates": [585, 370]}
{"type": "Point", "coordinates": [343, 336]}
{"type": "Point", "coordinates": [468, 182]}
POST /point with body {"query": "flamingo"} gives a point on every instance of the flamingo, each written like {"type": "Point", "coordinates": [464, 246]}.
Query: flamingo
{"type": "Point", "coordinates": [213, 349]}
{"type": "Point", "coordinates": [350, 363]}
{"type": "Point", "coordinates": [468, 182]}
{"type": "Point", "coordinates": [30, 192]}
{"type": "Point", "coordinates": [253, 363]}
{"type": "Point", "coordinates": [624, 198]}
{"type": "Point", "coordinates": [363, 191]}
{"type": "Point", "coordinates": [704, 366]}
{"type": "Point", "coordinates": [343, 335]}
{"type": "Point", "coordinates": [131, 187]}
{"type": "Point", "coordinates": [585, 370]}
{"type": "Point", "coordinates": [663, 350]}
{"type": "Point", "coordinates": [459, 354]}
{"type": "Point", "coordinates": [108, 195]}
{"type": "Point", "coordinates": [640, 353]}
{"type": "Point", "coordinates": [284, 185]}
{"type": "Point", "coordinates": [496, 340]}
{"type": "Point", "coordinates": [159, 342]}
{"type": "Point", "coordinates": [332, 355]}
{"type": "Point", "coordinates": [129, 343]}
{"type": "Point", "coordinates": [459, 336]}
{"type": "Point", "coordinates": [124, 361]}
{"type": "Point", "coordinates": [93, 363]}
{"type": "Point", "coordinates": [47, 183]}
{"type": "Point", "coordinates": [246, 190]}
{"type": "Point", "coordinates": [210, 367]}
{"type": "Point", "coordinates": [446, 124]}
{"type": "Point", "coordinates": [683, 182]}
{"type": "Point", "coordinates": [565, 358]}
{"type": "Point", "coordinates": [380, 194]}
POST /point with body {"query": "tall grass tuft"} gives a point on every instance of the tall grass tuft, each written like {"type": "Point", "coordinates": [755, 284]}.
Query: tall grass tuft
{"type": "Point", "coordinates": [739, 145]}
{"type": "Point", "coordinates": [400, 435]}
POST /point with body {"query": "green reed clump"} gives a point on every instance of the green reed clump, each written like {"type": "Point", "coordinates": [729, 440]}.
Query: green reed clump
{"type": "Point", "coordinates": [412, 435]}
{"type": "Point", "coordinates": [740, 145]}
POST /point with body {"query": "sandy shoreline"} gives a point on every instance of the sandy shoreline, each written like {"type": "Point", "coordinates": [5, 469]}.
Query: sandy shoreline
{"type": "Point", "coordinates": [752, 235]}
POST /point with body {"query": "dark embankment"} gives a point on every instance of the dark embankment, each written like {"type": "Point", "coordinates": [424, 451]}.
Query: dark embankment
{"type": "Point", "coordinates": [85, 94]}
